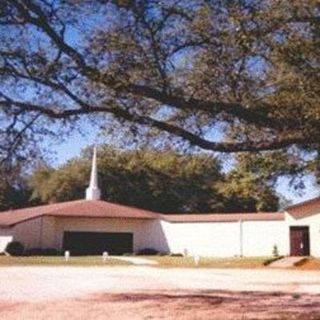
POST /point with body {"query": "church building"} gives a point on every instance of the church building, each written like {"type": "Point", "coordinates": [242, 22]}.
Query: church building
{"type": "Point", "coordinates": [92, 226]}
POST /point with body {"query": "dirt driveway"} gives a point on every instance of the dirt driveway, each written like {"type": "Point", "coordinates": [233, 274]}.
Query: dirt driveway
{"type": "Point", "coordinates": [155, 293]}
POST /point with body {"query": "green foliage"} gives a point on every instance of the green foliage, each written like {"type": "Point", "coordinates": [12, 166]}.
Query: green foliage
{"type": "Point", "coordinates": [39, 182]}
{"type": "Point", "coordinates": [67, 183]}
{"type": "Point", "coordinates": [175, 71]}
{"type": "Point", "coordinates": [14, 248]}
{"type": "Point", "coordinates": [275, 251]}
{"type": "Point", "coordinates": [250, 184]}
{"type": "Point", "coordinates": [246, 191]}
{"type": "Point", "coordinates": [314, 166]}
{"type": "Point", "coordinates": [14, 192]}
{"type": "Point", "coordinates": [161, 181]}
{"type": "Point", "coordinates": [164, 182]}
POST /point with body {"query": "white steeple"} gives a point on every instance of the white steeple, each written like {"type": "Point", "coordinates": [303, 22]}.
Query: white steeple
{"type": "Point", "coordinates": [93, 192]}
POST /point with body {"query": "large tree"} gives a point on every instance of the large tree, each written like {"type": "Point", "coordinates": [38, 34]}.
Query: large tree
{"type": "Point", "coordinates": [161, 181]}
{"type": "Point", "coordinates": [181, 69]}
{"type": "Point", "coordinates": [14, 189]}
{"type": "Point", "coordinates": [250, 184]}
{"type": "Point", "coordinates": [165, 182]}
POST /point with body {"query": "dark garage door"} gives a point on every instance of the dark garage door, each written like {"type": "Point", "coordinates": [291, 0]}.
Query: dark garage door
{"type": "Point", "coordinates": [95, 243]}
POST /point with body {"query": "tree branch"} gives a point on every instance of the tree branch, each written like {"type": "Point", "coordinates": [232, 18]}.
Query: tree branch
{"type": "Point", "coordinates": [274, 144]}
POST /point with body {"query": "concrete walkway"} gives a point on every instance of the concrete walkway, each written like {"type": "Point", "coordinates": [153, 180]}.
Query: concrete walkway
{"type": "Point", "coordinates": [286, 262]}
{"type": "Point", "coordinates": [138, 261]}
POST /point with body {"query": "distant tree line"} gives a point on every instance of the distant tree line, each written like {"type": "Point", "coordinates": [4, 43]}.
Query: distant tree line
{"type": "Point", "coordinates": [167, 182]}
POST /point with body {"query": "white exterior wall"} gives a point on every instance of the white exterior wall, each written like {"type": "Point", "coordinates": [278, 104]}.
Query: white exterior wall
{"type": "Point", "coordinates": [260, 237]}
{"type": "Point", "coordinates": [28, 233]}
{"type": "Point", "coordinates": [226, 239]}
{"type": "Point", "coordinates": [313, 222]}
{"type": "Point", "coordinates": [220, 239]}
{"type": "Point", "coordinates": [154, 234]}
{"type": "Point", "coordinates": [6, 235]}
{"type": "Point", "coordinates": [34, 233]}
{"type": "Point", "coordinates": [203, 238]}
{"type": "Point", "coordinates": [47, 232]}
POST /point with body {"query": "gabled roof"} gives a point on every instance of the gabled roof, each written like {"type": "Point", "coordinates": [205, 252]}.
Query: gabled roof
{"type": "Point", "coordinates": [305, 209]}
{"type": "Point", "coordinates": [104, 209]}
{"type": "Point", "coordinates": [78, 208]}
{"type": "Point", "coordinates": [225, 217]}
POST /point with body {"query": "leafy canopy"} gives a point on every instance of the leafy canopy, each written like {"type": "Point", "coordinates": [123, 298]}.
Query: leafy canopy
{"type": "Point", "coordinates": [173, 70]}
{"type": "Point", "coordinates": [165, 182]}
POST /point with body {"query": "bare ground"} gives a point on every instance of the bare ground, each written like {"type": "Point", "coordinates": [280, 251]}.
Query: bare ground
{"type": "Point", "coordinates": [171, 305]}
{"type": "Point", "coordinates": [150, 293]}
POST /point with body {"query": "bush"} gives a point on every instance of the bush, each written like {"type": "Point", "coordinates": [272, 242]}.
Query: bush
{"type": "Point", "coordinates": [15, 248]}
{"type": "Point", "coordinates": [33, 252]}
{"type": "Point", "coordinates": [176, 255]}
{"type": "Point", "coordinates": [162, 254]}
{"type": "Point", "coordinates": [41, 252]}
{"type": "Point", "coordinates": [275, 251]}
{"type": "Point", "coordinates": [148, 252]}
{"type": "Point", "coordinates": [50, 252]}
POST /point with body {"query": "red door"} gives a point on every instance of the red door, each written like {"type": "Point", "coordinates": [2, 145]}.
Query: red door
{"type": "Point", "coordinates": [299, 241]}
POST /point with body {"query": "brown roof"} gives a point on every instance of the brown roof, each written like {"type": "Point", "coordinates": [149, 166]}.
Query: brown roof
{"type": "Point", "coordinates": [78, 208]}
{"type": "Point", "coordinates": [225, 217]}
{"type": "Point", "coordinates": [305, 209]}
{"type": "Point", "coordinates": [104, 209]}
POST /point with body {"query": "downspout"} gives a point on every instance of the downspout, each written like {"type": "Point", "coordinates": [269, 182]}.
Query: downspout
{"type": "Point", "coordinates": [240, 238]}
{"type": "Point", "coordinates": [41, 232]}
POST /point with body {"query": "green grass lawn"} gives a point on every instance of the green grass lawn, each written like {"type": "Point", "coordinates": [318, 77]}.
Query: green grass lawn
{"type": "Point", "coordinates": [60, 261]}
{"type": "Point", "coordinates": [165, 261]}
{"type": "Point", "coordinates": [208, 262]}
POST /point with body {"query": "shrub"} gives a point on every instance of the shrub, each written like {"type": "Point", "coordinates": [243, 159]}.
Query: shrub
{"type": "Point", "coordinates": [176, 255]}
{"type": "Point", "coordinates": [50, 252]}
{"type": "Point", "coordinates": [33, 252]}
{"type": "Point", "coordinates": [15, 248]}
{"type": "Point", "coordinates": [162, 254]}
{"type": "Point", "coordinates": [275, 251]}
{"type": "Point", "coordinates": [41, 252]}
{"type": "Point", "coordinates": [148, 252]}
